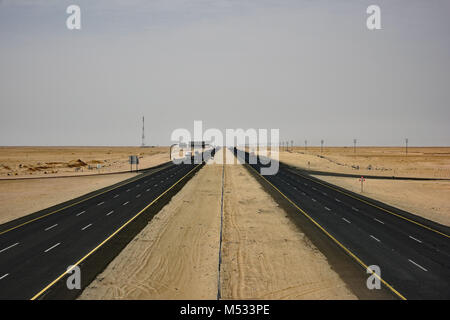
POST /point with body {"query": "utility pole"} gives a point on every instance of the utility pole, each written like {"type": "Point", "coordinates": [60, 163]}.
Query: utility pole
{"type": "Point", "coordinates": [321, 146]}
{"type": "Point", "coordinates": [292, 144]}
{"type": "Point", "coordinates": [143, 133]}
{"type": "Point", "coordinates": [306, 144]}
{"type": "Point", "coordinates": [406, 144]}
{"type": "Point", "coordinates": [354, 146]}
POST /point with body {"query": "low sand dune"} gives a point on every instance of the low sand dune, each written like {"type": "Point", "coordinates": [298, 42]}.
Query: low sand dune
{"type": "Point", "coordinates": [26, 162]}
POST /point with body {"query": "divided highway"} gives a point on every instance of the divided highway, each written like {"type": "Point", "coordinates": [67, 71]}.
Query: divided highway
{"type": "Point", "coordinates": [412, 253]}
{"type": "Point", "coordinates": [36, 253]}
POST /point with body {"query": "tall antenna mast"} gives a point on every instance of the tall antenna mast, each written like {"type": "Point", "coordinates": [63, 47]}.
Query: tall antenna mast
{"type": "Point", "coordinates": [143, 133]}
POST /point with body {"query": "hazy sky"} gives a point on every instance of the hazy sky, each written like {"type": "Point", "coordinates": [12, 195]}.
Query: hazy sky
{"type": "Point", "coordinates": [310, 68]}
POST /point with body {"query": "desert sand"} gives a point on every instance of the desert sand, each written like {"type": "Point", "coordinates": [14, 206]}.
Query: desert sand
{"type": "Point", "coordinates": [265, 256]}
{"type": "Point", "coordinates": [428, 199]}
{"type": "Point", "coordinates": [25, 162]}
{"type": "Point", "coordinates": [19, 197]}
{"type": "Point", "coordinates": [176, 255]}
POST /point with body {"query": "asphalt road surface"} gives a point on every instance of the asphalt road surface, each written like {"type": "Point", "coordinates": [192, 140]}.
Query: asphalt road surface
{"type": "Point", "coordinates": [413, 254]}
{"type": "Point", "coordinates": [34, 254]}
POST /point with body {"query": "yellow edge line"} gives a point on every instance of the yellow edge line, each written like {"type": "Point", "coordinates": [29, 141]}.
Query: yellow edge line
{"type": "Point", "coordinates": [333, 238]}
{"type": "Point", "coordinates": [73, 204]}
{"type": "Point", "coordinates": [373, 205]}
{"type": "Point", "coordinates": [107, 239]}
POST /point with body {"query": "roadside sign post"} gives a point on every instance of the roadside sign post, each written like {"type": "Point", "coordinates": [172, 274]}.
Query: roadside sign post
{"type": "Point", "coordinates": [362, 179]}
{"type": "Point", "coordinates": [133, 160]}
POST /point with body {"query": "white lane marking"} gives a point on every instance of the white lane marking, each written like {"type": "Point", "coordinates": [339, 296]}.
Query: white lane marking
{"type": "Point", "coordinates": [109, 213]}
{"type": "Point", "coordinates": [313, 199]}
{"type": "Point", "coordinates": [378, 220]}
{"type": "Point", "coordinates": [314, 188]}
{"type": "Point", "coordinates": [84, 228]}
{"type": "Point", "coordinates": [13, 245]}
{"type": "Point", "coordinates": [303, 194]}
{"type": "Point", "coordinates": [326, 208]}
{"type": "Point", "coordinates": [295, 188]}
{"type": "Point", "coordinates": [337, 200]}
{"type": "Point", "coordinates": [79, 214]}
{"type": "Point", "coordinates": [4, 276]}
{"type": "Point", "coordinates": [305, 183]}
{"type": "Point", "coordinates": [356, 209]}
{"type": "Point", "coordinates": [128, 190]}
{"type": "Point", "coordinates": [324, 193]}
{"type": "Point", "coordinates": [155, 185]}
{"type": "Point", "coordinates": [126, 203]}
{"type": "Point", "coordinates": [51, 227]}
{"type": "Point", "coordinates": [116, 196]}
{"type": "Point", "coordinates": [415, 239]}
{"type": "Point", "coordinates": [375, 238]}
{"type": "Point", "coordinates": [417, 265]}
{"type": "Point", "coordinates": [53, 247]}
{"type": "Point", "coordinates": [99, 204]}
{"type": "Point", "coordinates": [147, 190]}
{"type": "Point", "coordinates": [138, 195]}
{"type": "Point", "coordinates": [346, 220]}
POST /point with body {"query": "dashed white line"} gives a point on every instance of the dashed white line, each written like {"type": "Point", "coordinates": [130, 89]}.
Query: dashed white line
{"type": "Point", "coordinates": [326, 208]}
{"type": "Point", "coordinates": [355, 209]}
{"type": "Point", "coordinates": [128, 190]}
{"type": "Point", "coordinates": [79, 214]}
{"type": "Point", "coordinates": [314, 188]}
{"type": "Point", "coordinates": [313, 199]}
{"type": "Point", "coordinates": [417, 265]}
{"type": "Point", "coordinates": [346, 220]}
{"type": "Point", "coordinates": [4, 276]}
{"type": "Point", "coordinates": [155, 185]}
{"type": "Point", "coordinates": [375, 238]}
{"type": "Point", "coordinates": [416, 239]}
{"type": "Point", "coordinates": [124, 204]}
{"type": "Point", "coordinates": [337, 200]}
{"type": "Point", "coordinates": [303, 194]}
{"type": "Point", "coordinates": [116, 196]}
{"type": "Point", "coordinates": [138, 195]}
{"type": "Point", "coordinates": [324, 193]}
{"type": "Point", "coordinates": [53, 247]}
{"type": "Point", "coordinates": [110, 213]}
{"type": "Point", "coordinates": [51, 227]}
{"type": "Point", "coordinates": [378, 220]}
{"type": "Point", "coordinates": [99, 204]}
{"type": "Point", "coordinates": [84, 228]}
{"type": "Point", "coordinates": [13, 245]}
{"type": "Point", "coordinates": [305, 184]}
{"type": "Point", "coordinates": [147, 190]}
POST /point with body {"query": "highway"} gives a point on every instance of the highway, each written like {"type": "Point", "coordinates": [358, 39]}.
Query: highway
{"type": "Point", "coordinates": [35, 254]}
{"type": "Point", "coordinates": [413, 253]}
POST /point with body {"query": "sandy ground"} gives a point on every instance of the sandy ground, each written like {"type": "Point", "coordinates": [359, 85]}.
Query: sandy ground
{"type": "Point", "coordinates": [24, 196]}
{"type": "Point", "coordinates": [265, 256]}
{"type": "Point", "coordinates": [23, 162]}
{"type": "Point", "coordinates": [176, 255]}
{"type": "Point", "coordinates": [428, 199]}
{"type": "Point", "coordinates": [432, 162]}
